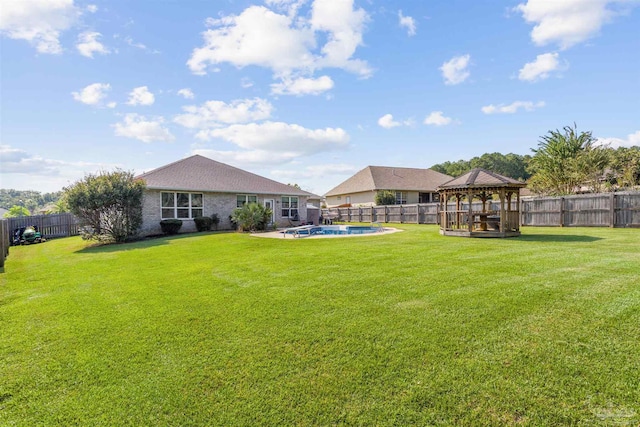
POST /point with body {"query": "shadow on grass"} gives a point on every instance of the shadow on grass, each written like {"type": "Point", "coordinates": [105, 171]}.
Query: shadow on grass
{"type": "Point", "coordinates": [147, 242]}
{"type": "Point", "coordinates": [562, 238]}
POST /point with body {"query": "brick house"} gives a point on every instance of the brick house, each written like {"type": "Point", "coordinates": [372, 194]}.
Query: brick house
{"type": "Point", "coordinates": [199, 186]}
{"type": "Point", "coordinates": [410, 186]}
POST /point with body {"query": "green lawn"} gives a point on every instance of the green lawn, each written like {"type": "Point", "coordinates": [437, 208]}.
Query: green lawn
{"type": "Point", "coordinates": [405, 329]}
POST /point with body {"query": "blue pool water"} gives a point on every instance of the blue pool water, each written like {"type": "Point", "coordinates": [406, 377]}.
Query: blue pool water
{"type": "Point", "coordinates": [319, 230]}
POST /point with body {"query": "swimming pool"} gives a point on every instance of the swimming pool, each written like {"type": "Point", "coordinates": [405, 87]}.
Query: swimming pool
{"type": "Point", "coordinates": [327, 230]}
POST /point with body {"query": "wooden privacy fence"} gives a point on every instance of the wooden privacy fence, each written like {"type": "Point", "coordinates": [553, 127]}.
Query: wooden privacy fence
{"type": "Point", "coordinates": [58, 225]}
{"type": "Point", "coordinates": [587, 210]}
{"type": "Point", "coordinates": [416, 214]}
{"type": "Point", "coordinates": [5, 235]}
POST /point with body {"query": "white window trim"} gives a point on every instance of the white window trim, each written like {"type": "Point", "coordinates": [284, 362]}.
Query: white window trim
{"type": "Point", "coordinates": [246, 199]}
{"type": "Point", "coordinates": [175, 207]}
{"type": "Point", "coordinates": [290, 208]}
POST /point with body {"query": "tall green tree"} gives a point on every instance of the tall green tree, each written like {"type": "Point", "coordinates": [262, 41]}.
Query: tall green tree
{"type": "Point", "coordinates": [109, 204]}
{"type": "Point", "coordinates": [511, 165]}
{"type": "Point", "coordinates": [625, 167]}
{"type": "Point", "coordinates": [15, 211]}
{"type": "Point", "coordinates": [566, 160]}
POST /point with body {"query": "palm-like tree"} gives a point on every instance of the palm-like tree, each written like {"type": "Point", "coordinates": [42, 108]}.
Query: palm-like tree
{"type": "Point", "coordinates": [566, 160]}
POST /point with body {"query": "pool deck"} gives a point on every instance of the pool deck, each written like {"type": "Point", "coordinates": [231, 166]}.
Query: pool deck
{"type": "Point", "coordinates": [281, 234]}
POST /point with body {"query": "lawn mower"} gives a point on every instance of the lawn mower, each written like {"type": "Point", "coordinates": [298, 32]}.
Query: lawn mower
{"type": "Point", "coordinates": [27, 235]}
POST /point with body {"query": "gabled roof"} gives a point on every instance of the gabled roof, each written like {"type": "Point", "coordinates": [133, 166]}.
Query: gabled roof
{"type": "Point", "coordinates": [198, 173]}
{"type": "Point", "coordinates": [374, 178]}
{"type": "Point", "coordinates": [482, 178]}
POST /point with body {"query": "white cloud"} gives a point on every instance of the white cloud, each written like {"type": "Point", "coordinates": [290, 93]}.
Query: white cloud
{"type": "Point", "coordinates": [436, 118]}
{"type": "Point", "coordinates": [343, 27]}
{"type": "Point", "coordinates": [455, 70]}
{"type": "Point", "coordinates": [93, 94]}
{"type": "Point", "coordinates": [213, 114]}
{"type": "Point", "coordinates": [40, 22]}
{"type": "Point", "coordinates": [387, 122]}
{"type": "Point", "coordinates": [274, 142]}
{"type": "Point", "coordinates": [568, 22]}
{"type": "Point", "coordinates": [186, 93]}
{"type": "Point", "coordinates": [29, 171]}
{"type": "Point", "coordinates": [407, 22]}
{"type": "Point", "coordinates": [289, 6]}
{"type": "Point", "coordinates": [257, 36]}
{"type": "Point", "coordinates": [143, 129]}
{"type": "Point", "coordinates": [92, 8]}
{"type": "Point", "coordinates": [302, 86]}
{"type": "Point", "coordinates": [286, 44]}
{"type": "Point", "coordinates": [633, 139]}
{"type": "Point", "coordinates": [246, 83]}
{"type": "Point", "coordinates": [540, 68]}
{"type": "Point", "coordinates": [512, 108]}
{"type": "Point", "coordinates": [129, 41]}
{"type": "Point", "coordinates": [141, 96]}
{"type": "Point", "coordinates": [88, 44]}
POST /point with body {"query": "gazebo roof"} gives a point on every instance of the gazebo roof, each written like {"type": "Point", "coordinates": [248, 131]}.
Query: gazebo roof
{"type": "Point", "coordinates": [480, 178]}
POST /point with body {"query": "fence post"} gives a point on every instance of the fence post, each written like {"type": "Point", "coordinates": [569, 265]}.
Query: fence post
{"type": "Point", "coordinates": [612, 218]}
{"type": "Point", "coordinates": [561, 211]}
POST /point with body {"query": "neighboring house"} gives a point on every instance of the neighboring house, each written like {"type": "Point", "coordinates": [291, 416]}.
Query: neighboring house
{"type": "Point", "coordinates": [410, 186]}
{"type": "Point", "coordinates": [199, 186]}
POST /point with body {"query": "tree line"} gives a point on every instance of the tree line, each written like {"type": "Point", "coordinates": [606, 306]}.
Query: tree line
{"type": "Point", "coordinates": [29, 202]}
{"type": "Point", "coordinates": [565, 162]}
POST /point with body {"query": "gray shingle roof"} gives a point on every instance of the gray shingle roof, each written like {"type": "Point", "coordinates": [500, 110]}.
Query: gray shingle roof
{"type": "Point", "coordinates": [373, 178]}
{"type": "Point", "coordinates": [482, 178]}
{"type": "Point", "coordinates": [198, 173]}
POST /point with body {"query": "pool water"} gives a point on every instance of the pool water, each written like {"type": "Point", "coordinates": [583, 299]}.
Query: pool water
{"type": "Point", "coordinates": [325, 230]}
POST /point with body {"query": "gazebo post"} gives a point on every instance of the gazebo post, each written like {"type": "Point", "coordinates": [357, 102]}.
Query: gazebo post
{"type": "Point", "coordinates": [457, 210]}
{"type": "Point", "coordinates": [443, 211]}
{"type": "Point", "coordinates": [502, 210]}
{"type": "Point", "coordinates": [470, 214]}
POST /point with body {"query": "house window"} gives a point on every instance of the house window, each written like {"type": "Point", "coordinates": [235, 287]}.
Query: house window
{"type": "Point", "coordinates": [181, 205]}
{"type": "Point", "coordinates": [348, 200]}
{"type": "Point", "coordinates": [401, 197]}
{"type": "Point", "coordinates": [289, 207]}
{"type": "Point", "coordinates": [243, 199]}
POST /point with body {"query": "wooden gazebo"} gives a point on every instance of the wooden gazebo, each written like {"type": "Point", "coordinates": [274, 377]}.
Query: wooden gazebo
{"type": "Point", "coordinates": [476, 213]}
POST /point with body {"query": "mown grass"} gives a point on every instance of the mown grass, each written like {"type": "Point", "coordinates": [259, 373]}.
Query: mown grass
{"type": "Point", "coordinates": [406, 329]}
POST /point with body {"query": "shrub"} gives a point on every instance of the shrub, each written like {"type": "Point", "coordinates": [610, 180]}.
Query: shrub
{"type": "Point", "coordinates": [109, 205]}
{"type": "Point", "coordinates": [203, 223]}
{"type": "Point", "coordinates": [385, 197]}
{"type": "Point", "coordinates": [215, 220]}
{"type": "Point", "coordinates": [251, 217]}
{"type": "Point", "coordinates": [170, 226]}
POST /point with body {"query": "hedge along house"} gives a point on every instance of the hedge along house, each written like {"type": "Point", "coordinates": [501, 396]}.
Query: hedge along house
{"type": "Point", "coordinates": [477, 188]}
{"type": "Point", "coordinates": [410, 186]}
{"type": "Point", "coordinates": [198, 186]}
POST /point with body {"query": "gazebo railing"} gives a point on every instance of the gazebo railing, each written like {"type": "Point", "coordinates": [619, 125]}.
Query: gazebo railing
{"type": "Point", "coordinates": [482, 220]}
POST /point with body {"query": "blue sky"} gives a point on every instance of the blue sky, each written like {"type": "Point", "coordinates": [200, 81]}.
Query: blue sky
{"type": "Point", "coordinates": [305, 91]}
